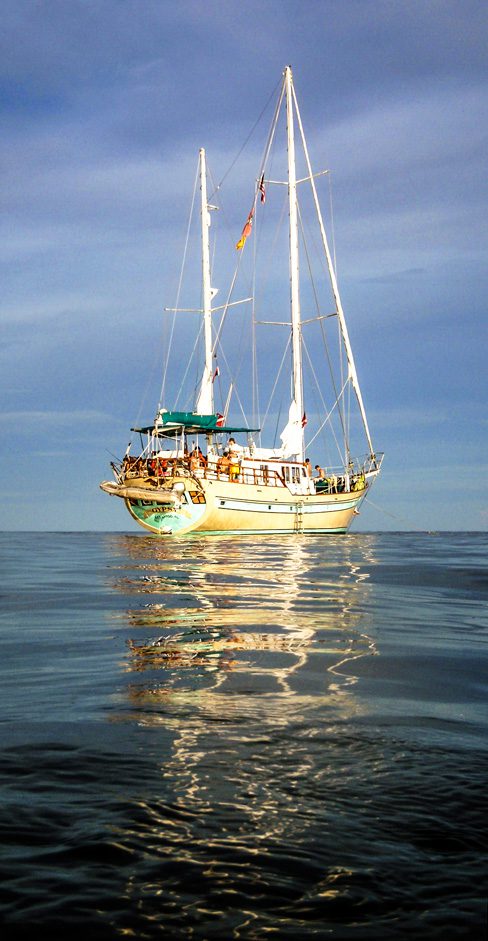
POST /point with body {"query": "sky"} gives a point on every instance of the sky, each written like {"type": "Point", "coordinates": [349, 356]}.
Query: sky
{"type": "Point", "coordinates": [104, 106]}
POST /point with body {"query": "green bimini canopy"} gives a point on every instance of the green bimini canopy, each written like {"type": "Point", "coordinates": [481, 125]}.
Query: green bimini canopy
{"type": "Point", "coordinates": [171, 423]}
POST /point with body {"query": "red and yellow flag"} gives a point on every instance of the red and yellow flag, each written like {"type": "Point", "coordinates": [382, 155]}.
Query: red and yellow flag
{"type": "Point", "coordinates": [246, 231]}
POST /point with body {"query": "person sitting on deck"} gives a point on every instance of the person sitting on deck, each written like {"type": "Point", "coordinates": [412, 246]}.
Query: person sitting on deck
{"type": "Point", "coordinates": [320, 472]}
{"type": "Point", "coordinates": [223, 464]}
{"type": "Point", "coordinates": [197, 459]}
{"type": "Point", "coordinates": [161, 467]}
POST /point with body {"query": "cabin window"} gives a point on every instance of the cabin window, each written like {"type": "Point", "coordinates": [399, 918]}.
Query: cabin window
{"type": "Point", "coordinates": [196, 496]}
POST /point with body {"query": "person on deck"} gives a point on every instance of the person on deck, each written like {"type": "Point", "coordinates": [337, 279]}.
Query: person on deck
{"type": "Point", "coordinates": [223, 464]}
{"type": "Point", "coordinates": [234, 452]}
{"type": "Point", "coordinates": [233, 448]}
{"type": "Point", "coordinates": [197, 459]}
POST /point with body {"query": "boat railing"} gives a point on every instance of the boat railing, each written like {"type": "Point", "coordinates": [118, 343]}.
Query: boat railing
{"type": "Point", "coordinates": [239, 472]}
{"type": "Point", "coordinates": [158, 469]}
{"type": "Point", "coordinates": [340, 483]}
{"type": "Point", "coordinates": [349, 479]}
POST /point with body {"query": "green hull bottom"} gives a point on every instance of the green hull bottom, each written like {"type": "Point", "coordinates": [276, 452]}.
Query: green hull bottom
{"type": "Point", "coordinates": [158, 520]}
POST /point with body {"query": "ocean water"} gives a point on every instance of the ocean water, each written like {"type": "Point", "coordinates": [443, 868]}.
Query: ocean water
{"type": "Point", "coordinates": [237, 738]}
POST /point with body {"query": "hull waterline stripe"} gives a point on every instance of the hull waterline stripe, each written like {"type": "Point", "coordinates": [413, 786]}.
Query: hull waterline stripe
{"type": "Point", "coordinates": [246, 506]}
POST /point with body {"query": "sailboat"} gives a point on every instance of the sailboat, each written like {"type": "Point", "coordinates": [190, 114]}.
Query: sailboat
{"type": "Point", "coordinates": [194, 470]}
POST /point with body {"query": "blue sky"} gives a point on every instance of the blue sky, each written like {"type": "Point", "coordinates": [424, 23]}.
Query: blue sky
{"type": "Point", "coordinates": [105, 105]}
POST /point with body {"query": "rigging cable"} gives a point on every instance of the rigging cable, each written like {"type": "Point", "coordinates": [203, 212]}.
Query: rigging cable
{"type": "Point", "coordinates": [323, 402]}
{"type": "Point", "coordinates": [244, 145]}
{"type": "Point", "coordinates": [332, 230]}
{"type": "Point", "coordinates": [288, 343]}
{"type": "Point", "coordinates": [324, 337]}
{"type": "Point", "coordinates": [401, 519]}
{"type": "Point", "coordinates": [189, 362]}
{"type": "Point", "coordinates": [170, 343]}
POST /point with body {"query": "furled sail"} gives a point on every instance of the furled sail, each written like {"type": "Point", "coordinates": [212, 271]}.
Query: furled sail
{"type": "Point", "coordinates": [292, 434]}
{"type": "Point", "coordinates": [205, 398]}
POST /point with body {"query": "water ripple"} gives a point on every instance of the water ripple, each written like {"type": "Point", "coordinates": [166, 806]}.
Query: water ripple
{"type": "Point", "coordinates": [235, 739]}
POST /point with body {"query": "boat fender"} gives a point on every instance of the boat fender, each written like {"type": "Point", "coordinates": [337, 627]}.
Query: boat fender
{"type": "Point", "coordinates": [178, 491]}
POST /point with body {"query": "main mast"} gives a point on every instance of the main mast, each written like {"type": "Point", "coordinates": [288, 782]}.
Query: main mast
{"type": "Point", "coordinates": [205, 404]}
{"type": "Point", "coordinates": [296, 337]}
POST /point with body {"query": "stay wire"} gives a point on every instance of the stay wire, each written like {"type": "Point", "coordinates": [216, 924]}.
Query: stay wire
{"type": "Point", "coordinates": [401, 519]}
{"type": "Point", "coordinates": [244, 145]}
{"type": "Point", "coordinates": [170, 342]}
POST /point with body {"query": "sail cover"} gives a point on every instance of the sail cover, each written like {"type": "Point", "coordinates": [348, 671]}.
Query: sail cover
{"type": "Point", "coordinates": [173, 422]}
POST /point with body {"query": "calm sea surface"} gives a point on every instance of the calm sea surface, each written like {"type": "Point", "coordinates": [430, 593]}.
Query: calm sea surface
{"type": "Point", "coordinates": [244, 738]}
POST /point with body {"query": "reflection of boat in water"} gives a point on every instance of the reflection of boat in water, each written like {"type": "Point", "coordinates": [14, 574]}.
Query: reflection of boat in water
{"type": "Point", "coordinates": [241, 680]}
{"type": "Point", "coordinates": [199, 646]}
{"type": "Point", "coordinates": [239, 628]}
{"type": "Point", "coordinates": [173, 487]}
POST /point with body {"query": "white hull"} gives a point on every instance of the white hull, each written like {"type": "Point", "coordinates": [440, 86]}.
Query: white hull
{"type": "Point", "coordinates": [216, 506]}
